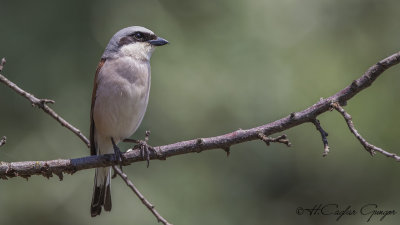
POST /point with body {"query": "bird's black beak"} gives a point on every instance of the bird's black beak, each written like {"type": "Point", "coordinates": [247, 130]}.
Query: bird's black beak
{"type": "Point", "coordinates": [158, 42]}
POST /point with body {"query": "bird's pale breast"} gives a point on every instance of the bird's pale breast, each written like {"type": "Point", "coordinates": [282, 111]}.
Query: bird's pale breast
{"type": "Point", "coordinates": [121, 97]}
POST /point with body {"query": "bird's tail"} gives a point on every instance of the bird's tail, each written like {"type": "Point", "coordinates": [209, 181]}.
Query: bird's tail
{"type": "Point", "coordinates": [101, 191]}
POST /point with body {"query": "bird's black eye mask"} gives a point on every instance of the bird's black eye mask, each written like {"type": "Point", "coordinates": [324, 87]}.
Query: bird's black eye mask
{"type": "Point", "coordinates": [136, 37]}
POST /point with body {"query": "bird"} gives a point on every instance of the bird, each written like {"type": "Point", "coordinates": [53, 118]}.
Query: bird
{"type": "Point", "coordinates": [119, 100]}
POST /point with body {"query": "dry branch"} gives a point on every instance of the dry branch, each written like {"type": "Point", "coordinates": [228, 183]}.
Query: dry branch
{"type": "Point", "coordinates": [47, 168]}
{"type": "Point", "coordinates": [41, 103]}
{"type": "Point", "coordinates": [140, 196]}
{"type": "Point", "coordinates": [372, 149]}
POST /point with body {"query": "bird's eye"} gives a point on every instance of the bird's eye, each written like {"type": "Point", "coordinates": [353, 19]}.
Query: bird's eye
{"type": "Point", "coordinates": [138, 35]}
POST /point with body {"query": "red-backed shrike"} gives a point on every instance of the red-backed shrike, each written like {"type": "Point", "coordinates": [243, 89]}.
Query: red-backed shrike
{"type": "Point", "coordinates": [119, 100]}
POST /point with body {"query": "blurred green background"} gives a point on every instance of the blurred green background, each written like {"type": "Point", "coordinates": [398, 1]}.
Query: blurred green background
{"type": "Point", "coordinates": [230, 65]}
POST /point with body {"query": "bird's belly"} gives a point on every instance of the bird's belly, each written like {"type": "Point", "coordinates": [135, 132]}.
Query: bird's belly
{"type": "Point", "coordinates": [119, 113]}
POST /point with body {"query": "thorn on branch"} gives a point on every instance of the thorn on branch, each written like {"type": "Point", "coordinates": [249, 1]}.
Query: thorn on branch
{"type": "Point", "coordinates": [280, 139]}
{"type": "Point", "coordinates": [227, 150]}
{"type": "Point", "coordinates": [3, 141]}
{"type": "Point", "coordinates": [324, 136]}
{"type": "Point", "coordinates": [2, 63]}
{"type": "Point", "coordinates": [372, 149]}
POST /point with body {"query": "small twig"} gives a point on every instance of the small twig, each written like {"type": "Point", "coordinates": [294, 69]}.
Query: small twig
{"type": "Point", "coordinates": [3, 141]}
{"type": "Point", "coordinates": [2, 63]}
{"type": "Point", "coordinates": [280, 139]}
{"type": "Point", "coordinates": [140, 196]}
{"type": "Point", "coordinates": [41, 103]}
{"type": "Point", "coordinates": [227, 151]}
{"type": "Point", "coordinates": [147, 135]}
{"type": "Point", "coordinates": [324, 136]}
{"type": "Point", "coordinates": [372, 149]}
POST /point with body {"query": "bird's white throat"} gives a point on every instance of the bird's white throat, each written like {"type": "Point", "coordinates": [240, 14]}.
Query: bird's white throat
{"type": "Point", "coordinates": [137, 50]}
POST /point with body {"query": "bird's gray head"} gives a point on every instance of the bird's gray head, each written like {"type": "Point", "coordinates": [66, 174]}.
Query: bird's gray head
{"type": "Point", "coordinates": [137, 42]}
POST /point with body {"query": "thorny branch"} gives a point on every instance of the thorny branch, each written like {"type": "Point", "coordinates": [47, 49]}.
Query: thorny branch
{"type": "Point", "coordinates": [309, 115]}
{"type": "Point", "coordinates": [140, 196]}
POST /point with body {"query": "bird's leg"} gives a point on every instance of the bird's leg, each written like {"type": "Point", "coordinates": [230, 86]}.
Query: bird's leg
{"type": "Point", "coordinates": [117, 153]}
{"type": "Point", "coordinates": [143, 147]}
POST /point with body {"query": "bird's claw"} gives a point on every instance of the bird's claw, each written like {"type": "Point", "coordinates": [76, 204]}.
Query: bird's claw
{"type": "Point", "coordinates": [145, 148]}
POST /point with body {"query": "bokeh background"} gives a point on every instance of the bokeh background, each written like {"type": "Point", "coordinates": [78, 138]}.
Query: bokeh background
{"type": "Point", "coordinates": [230, 65]}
